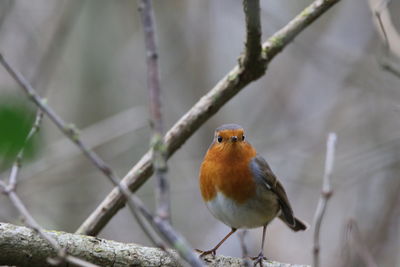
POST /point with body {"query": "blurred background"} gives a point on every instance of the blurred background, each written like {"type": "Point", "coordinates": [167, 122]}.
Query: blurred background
{"type": "Point", "coordinates": [87, 58]}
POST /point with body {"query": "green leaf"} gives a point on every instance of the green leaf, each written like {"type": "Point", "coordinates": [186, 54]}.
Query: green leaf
{"type": "Point", "coordinates": [16, 120]}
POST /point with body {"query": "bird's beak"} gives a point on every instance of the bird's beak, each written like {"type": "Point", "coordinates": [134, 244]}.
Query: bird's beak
{"type": "Point", "coordinates": [234, 139]}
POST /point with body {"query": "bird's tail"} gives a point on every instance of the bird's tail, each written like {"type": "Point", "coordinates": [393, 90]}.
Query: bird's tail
{"type": "Point", "coordinates": [299, 225]}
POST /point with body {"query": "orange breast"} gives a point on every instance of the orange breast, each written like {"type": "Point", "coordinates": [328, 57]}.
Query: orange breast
{"type": "Point", "coordinates": [226, 170]}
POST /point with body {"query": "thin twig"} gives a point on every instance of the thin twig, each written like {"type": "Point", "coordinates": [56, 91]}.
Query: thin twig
{"type": "Point", "coordinates": [390, 67]}
{"type": "Point", "coordinates": [94, 136]}
{"type": "Point", "coordinates": [47, 66]}
{"type": "Point", "coordinates": [385, 61]}
{"type": "Point", "coordinates": [9, 190]}
{"type": "Point", "coordinates": [355, 241]}
{"type": "Point", "coordinates": [62, 255]}
{"type": "Point", "coordinates": [326, 193]}
{"type": "Point", "coordinates": [205, 108]}
{"type": "Point", "coordinates": [162, 221]}
{"type": "Point", "coordinates": [377, 12]}
{"type": "Point", "coordinates": [71, 132]}
{"type": "Point", "coordinates": [134, 203]}
{"type": "Point", "coordinates": [164, 228]}
{"type": "Point", "coordinates": [153, 83]}
{"type": "Point", "coordinates": [12, 182]}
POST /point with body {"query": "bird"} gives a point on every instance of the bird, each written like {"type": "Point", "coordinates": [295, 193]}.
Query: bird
{"type": "Point", "coordinates": [240, 189]}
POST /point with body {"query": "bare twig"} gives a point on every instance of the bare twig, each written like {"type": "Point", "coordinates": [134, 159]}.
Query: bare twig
{"type": "Point", "coordinates": [162, 221]}
{"type": "Point", "coordinates": [391, 67]}
{"type": "Point", "coordinates": [378, 7]}
{"type": "Point", "coordinates": [71, 132]}
{"type": "Point", "coordinates": [62, 255]}
{"type": "Point", "coordinates": [381, 10]}
{"type": "Point", "coordinates": [385, 38]}
{"type": "Point", "coordinates": [354, 239]}
{"type": "Point", "coordinates": [154, 87]}
{"type": "Point", "coordinates": [134, 203]}
{"type": "Point", "coordinates": [9, 190]}
{"type": "Point", "coordinates": [326, 193]}
{"type": "Point", "coordinates": [12, 182]}
{"type": "Point", "coordinates": [174, 239]}
{"type": "Point", "coordinates": [206, 107]}
{"type": "Point", "coordinates": [165, 230]}
{"type": "Point", "coordinates": [95, 135]}
{"type": "Point", "coordinates": [47, 67]}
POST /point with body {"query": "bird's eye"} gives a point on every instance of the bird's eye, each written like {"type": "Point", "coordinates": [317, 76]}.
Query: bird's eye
{"type": "Point", "coordinates": [219, 139]}
{"type": "Point", "coordinates": [242, 137]}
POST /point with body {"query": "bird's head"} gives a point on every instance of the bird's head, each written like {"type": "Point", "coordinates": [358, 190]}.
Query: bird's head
{"type": "Point", "coordinates": [229, 135]}
{"type": "Point", "coordinates": [230, 145]}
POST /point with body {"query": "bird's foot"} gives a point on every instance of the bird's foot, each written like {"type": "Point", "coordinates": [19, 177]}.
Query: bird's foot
{"type": "Point", "coordinates": [206, 252]}
{"type": "Point", "coordinates": [259, 259]}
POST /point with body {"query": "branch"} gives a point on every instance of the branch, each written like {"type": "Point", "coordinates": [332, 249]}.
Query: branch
{"type": "Point", "coordinates": [9, 190]}
{"type": "Point", "coordinates": [134, 203]}
{"type": "Point", "coordinates": [12, 182]}
{"type": "Point", "coordinates": [94, 136]}
{"type": "Point", "coordinates": [72, 133]}
{"type": "Point", "coordinates": [153, 83]}
{"type": "Point", "coordinates": [165, 230]}
{"type": "Point", "coordinates": [325, 195]}
{"type": "Point", "coordinates": [385, 24]}
{"type": "Point", "coordinates": [162, 220]}
{"type": "Point", "coordinates": [69, 130]}
{"type": "Point", "coordinates": [22, 247]}
{"type": "Point", "coordinates": [60, 253]}
{"type": "Point", "coordinates": [253, 57]}
{"type": "Point", "coordinates": [206, 107]}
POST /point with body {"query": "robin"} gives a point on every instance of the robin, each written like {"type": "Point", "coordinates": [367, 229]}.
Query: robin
{"type": "Point", "coordinates": [240, 189]}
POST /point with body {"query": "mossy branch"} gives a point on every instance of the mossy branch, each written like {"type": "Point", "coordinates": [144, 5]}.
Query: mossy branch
{"type": "Point", "coordinates": [22, 247]}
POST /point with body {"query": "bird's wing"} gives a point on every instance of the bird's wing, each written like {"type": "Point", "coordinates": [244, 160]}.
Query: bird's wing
{"type": "Point", "coordinates": [264, 175]}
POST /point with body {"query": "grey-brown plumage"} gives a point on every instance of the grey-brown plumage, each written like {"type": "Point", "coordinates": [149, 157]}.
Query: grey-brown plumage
{"type": "Point", "coordinates": [264, 175]}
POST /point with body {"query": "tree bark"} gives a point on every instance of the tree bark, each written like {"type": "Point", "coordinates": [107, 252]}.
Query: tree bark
{"type": "Point", "coordinates": [21, 246]}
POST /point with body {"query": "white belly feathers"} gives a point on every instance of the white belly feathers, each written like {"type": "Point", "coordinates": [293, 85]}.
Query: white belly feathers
{"type": "Point", "coordinates": [250, 214]}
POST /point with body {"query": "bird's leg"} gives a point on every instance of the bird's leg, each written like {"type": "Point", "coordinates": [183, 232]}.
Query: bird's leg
{"type": "Point", "coordinates": [213, 251]}
{"type": "Point", "coordinates": [259, 259]}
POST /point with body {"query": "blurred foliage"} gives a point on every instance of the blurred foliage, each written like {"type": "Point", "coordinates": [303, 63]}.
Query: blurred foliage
{"type": "Point", "coordinates": [16, 120]}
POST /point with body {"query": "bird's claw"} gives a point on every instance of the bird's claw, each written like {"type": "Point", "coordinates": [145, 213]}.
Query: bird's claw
{"type": "Point", "coordinates": [206, 252]}
{"type": "Point", "coordinates": [259, 259]}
